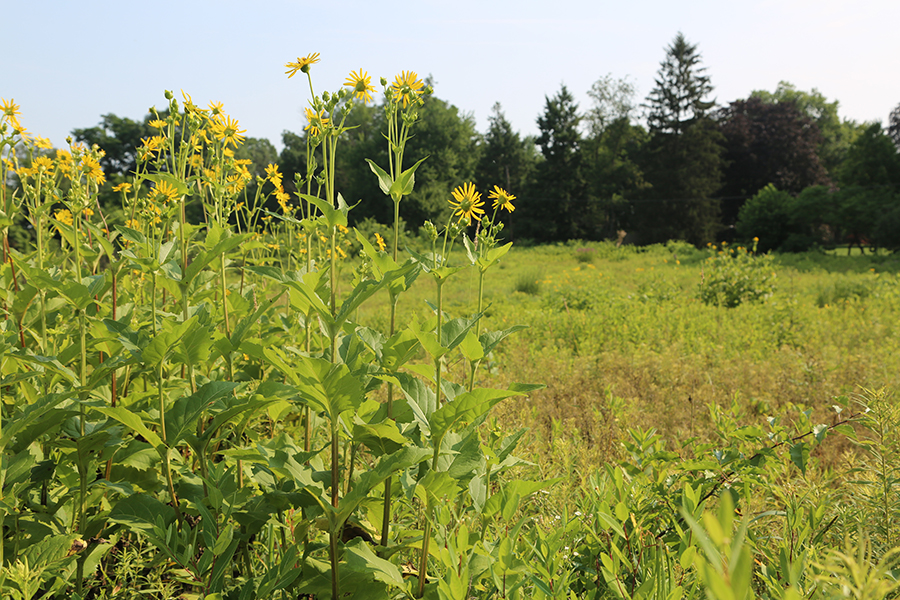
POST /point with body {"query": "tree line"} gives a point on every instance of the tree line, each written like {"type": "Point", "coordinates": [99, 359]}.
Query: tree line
{"type": "Point", "coordinates": [781, 165]}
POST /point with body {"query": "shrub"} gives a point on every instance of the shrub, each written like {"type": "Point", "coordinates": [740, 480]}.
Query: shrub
{"type": "Point", "coordinates": [585, 255]}
{"type": "Point", "coordinates": [529, 283]}
{"type": "Point", "coordinates": [732, 276]}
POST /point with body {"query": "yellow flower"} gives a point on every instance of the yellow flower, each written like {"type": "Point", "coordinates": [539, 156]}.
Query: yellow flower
{"type": "Point", "coordinates": [42, 142]}
{"type": "Point", "coordinates": [302, 64]}
{"type": "Point", "coordinates": [407, 85]}
{"type": "Point", "coordinates": [122, 187]}
{"type": "Point", "coordinates": [133, 224]}
{"type": "Point", "coordinates": [10, 109]}
{"type": "Point", "coordinates": [189, 105]}
{"type": "Point", "coordinates": [42, 164]}
{"type": "Point", "coordinates": [165, 193]}
{"type": "Point", "coordinates": [226, 129]}
{"type": "Point", "coordinates": [380, 241]}
{"type": "Point", "coordinates": [64, 216]}
{"type": "Point", "coordinates": [91, 167]}
{"type": "Point", "coordinates": [215, 109]}
{"type": "Point", "coordinates": [316, 121]}
{"type": "Point", "coordinates": [361, 84]}
{"type": "Point", "coordinates": [19, 130]}
{"type": "Point", "coordinates": [468, 203]}
{"type": "Point", "coordinates": [88, 212]}
{"type": "Point", "coordinates": [502, 199]}
{"type": "Point", "coordinates": [157, 124]}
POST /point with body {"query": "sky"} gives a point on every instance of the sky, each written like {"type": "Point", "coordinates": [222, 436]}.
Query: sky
{"type": "Point", "coordinates": [70, 62]}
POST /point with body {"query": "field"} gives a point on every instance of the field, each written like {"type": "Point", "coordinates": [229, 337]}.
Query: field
{"type": "Point", "coordinates": [266, 404]}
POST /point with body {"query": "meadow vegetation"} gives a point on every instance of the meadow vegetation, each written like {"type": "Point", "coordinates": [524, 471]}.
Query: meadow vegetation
{"type": "Point", "coordinates": [275, 404]}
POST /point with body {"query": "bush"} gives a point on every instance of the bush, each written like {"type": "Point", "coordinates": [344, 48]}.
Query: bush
{"type": "Point", "coordinates": [732, 276]}
{"type": "Point", "coordinates": [529, 283]}
{"type": "Point", "coordinates": [585, 255]}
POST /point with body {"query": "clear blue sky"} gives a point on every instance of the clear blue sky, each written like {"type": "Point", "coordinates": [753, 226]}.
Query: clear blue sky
{"type": "Point", "coordinates": [68, 62]}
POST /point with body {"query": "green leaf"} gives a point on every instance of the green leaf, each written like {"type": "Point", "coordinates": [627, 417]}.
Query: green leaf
{"type": "Point", "coordinates": [182, 416]}
{"type": "Point", "coordinates": [329, 387]}
{"type": "Point", "coordinates": [359, 557]}
{"type": "Point", "coordinates": [133, 422]}
{"type": "Point", "coordinates": [380, 438]}
{"type": "Point", "coordinates": [370, 479]}
{"type": "Point", "coordinates": [490, 339]}
{"type": "Point", "coordinates": [471, 347]}
{"type": "Point", "coordinates": [800, 456]}
{"type": "Point", "coordinates": [384, 180]}
{"type": "Point", "coordinates": [405, 183]}
{"type": "Point", "coordinates": [140, 512]}
{"type": "Point", "coordinates": [465, 408]}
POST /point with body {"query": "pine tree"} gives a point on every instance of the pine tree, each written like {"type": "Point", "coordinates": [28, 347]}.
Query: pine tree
{"type": "Point", "coordinates": [684, 159]}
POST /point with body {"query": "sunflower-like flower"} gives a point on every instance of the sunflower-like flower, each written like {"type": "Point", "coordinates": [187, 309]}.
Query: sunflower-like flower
{"type": "Point", "coordinates": [64, 216]}
{"type": "Point", "coordinates": [379, 241]}
{"type": "Point", "coordinates": [165, 193]}
{"type": "Point", "coordinates": [157, 124]}
{"type": "Point", "coordinates": [273, 175]}
{"type": "Point", "coordinates": [90, 166]}
{"type": "Point", "coordinates": [122, 187]}
{"type": "Point", "coordinates": [502, 199]}
{"type": "Point", "coordinates": [468, 203]}
{"type": "Point", "coordinates": [302, 64]}
{"type": "Point", "coordinates": [317, 121]}
{"type": "Point", "coordinates": [43, 143]}
{"type": "Point", "coordinates": [361, 84]}
{"type": "Point", "coordinates": [10, 109]}
{"type": "Point", "coordinates": [215, 109]}
{"type": "Point", "coordinates": [226, 129]}
{"type": "Point", "coordinates": [42, 164]}
{"type": "Point", "coordinates": [407, 86]}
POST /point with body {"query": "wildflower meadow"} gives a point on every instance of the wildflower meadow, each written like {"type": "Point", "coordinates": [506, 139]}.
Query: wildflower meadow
{"type": "Point", "coordinates": [205, 396]}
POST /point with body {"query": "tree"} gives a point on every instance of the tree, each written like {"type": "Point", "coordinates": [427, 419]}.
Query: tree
{"type": "Point", "coordinates": [611, 148]}
{"type": "Point", "coordinates": [872, 160]}
{"type": "Point", "coordinates": [767, 143]}
{"type": "Point", "coordinates": [557, 211]}
{"type": "Point", "coordinates": [683, 161]}
{"type": "Point", "coordinates": [506, 160]}
{"type": "Point", "coordinates": [836, 134]}
{"type": "Point", "coordinates": [894, 126]}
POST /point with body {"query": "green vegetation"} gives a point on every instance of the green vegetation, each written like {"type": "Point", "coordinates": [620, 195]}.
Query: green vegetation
{"type": "Point", "coordinates": [225, 391]}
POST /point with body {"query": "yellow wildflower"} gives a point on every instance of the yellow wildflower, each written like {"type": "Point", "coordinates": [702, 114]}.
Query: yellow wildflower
{"type": "Point", "coordinates": [361, 84]}
{"type": "Point", "coordinates": [226, 129]}
{"type": "Point", "coordinates": [10, 109]}
{"type": "Point", "coordinates": [44, 143]}
{"type": "Point", "coordinates": [407, 86]}
{"type": "Point", "coordinates": [157, 124]}
{"type": "Point", "coordinates": [502, 199]}
{"type": "Point", "coordinates": [165, 193]}
{"type": "Point", "coordinates": [468, 203]}
{"type": "Point", "coordinates": [64, 216]}
{"type": "Point", "coordinates": [88, 212]}
{"type": "Point", "coordinates": [215, 109]}
{"type": "Point", "coordinates": [133, 224]}
{"type": "Point", "coordinates": [316, 121]}
{"type": "Point", "coordinates": [302, 64]}
{"type": "Point", "coordinates": [91, 167]}
{"type": "Point", "coordinates": [122, 187]}
{"type": "Point", "coordinates": [42, 164]}
{"type": "Point", "coordinates": [380, 242]}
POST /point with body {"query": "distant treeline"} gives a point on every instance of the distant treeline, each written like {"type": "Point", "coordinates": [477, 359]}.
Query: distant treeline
{"type": "Point", "coordinates": [676, 166]}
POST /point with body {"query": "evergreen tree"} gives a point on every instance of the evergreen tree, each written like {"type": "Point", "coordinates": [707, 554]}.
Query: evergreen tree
{"type": "Point", "coordinates": [558, 209]}
{"type": "Point", "coordinates": [683, 162]}
{"type": "Point", "coordinates": [507, 161]}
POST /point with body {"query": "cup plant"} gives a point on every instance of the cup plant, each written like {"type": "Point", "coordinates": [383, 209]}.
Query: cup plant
{"type": "Point", "coordinates": [184, 387]}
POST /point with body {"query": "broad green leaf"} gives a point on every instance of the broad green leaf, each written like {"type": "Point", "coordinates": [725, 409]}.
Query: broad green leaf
{"type": "Point", "coordinates": [405, 182]}
{"type": "Point", "coordinates": [371, 478]}
{"type": "Point", "coordinates": [471, 347]}
{"type": "Point", "coordinates": [800, 456]}
{"type": "Point", "coordinates": [380, 438]}
{"type": "Point", "coordinates": [384, 180]}
{"type": "Point", "coordinates": [140, 512]}
{"type": "Point", "coordinates": [465, 408]}
{"type": "Point", "coordinates": [133, 422]}
{"type": "Point", "coordinates": [490, 339]}
{"type": "Point", "coordinates": [359, 557]}
{"type": "Point", "coordinates": [328, 387]}
{"type": "Point", "coordinates": [182, 415]}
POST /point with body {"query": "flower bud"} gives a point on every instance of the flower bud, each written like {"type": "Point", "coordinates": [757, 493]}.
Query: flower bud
{"type": "Point", "coordinates": [169, 95]}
